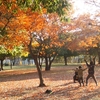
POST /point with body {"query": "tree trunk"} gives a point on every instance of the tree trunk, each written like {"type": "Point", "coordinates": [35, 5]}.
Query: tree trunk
{"type": "Point", "coordinates": [39, 71]}
{"type": "Point", "coordinates": [35, 57]}
{"type": "Point", "coordinates": [98, 58]}
{"type": "Point", "coordinates": [40, 62]}
{"type": "Point", "coordinates": [14, 61]}
{"type": "Point", "coordinates": [47, 68]}
{"type": "Point", "coordinates": [65, 59]}
{"type": "Point", "coordinates": [1, 64]}
{"type": "Point", "coordinates": [48, 62]}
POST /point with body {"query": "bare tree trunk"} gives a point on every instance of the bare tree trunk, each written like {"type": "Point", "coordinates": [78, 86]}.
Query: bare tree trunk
{"type": "Point", "coordinates": [35, 57]}
{"type": "Point", "coordinates": [40, 62]}
{"type": "Point", "coordinates": [39, 71]}
{"type": "Point", "coordinates": [65, 59]}
{"type": "Point", "coordinates": [1, 64]}
{"type": "Point", "coordinates": [48, 62]}
{"type": "Point", "coordinates": [14, 59]}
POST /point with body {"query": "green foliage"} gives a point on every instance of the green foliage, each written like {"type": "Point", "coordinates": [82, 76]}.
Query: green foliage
{"type": "Point", "coordinates": [52, 5]}
{"type": "Point", "coordinates": [93, 51]}
{"type": "Point", "coordinates": [24, 3]}
{"type": "Point", "coordinates": [3, 50]}
{"type": "Point", "coordinates": [57, 6]}
{"type": "Point", "coordinates": [66, 52]}
{"type": "Point", "coordinates": [6, 53]}
{"type": "Point", "coordinates": [17, 51]}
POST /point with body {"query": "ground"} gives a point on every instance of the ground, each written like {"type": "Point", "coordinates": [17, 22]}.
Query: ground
{"type": "Point", "coordinates": [23, 85]}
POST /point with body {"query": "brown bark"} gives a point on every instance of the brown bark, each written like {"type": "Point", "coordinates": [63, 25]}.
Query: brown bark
{"type": "Point", "coordinates": [35, 57]}
{"type": "Point", "coordinates": [65, 59]}
{"type": "Point", "coordinates": [1, 64]}
{"type": "Point", "coordinates": [39, 71]}
{"type": "Point", "coordinates": [48, 62]}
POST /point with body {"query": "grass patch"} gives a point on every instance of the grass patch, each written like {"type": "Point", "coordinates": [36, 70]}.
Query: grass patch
{"type": "Point", "coordinates": [21, 67]}
{"type": "Point", "coordinates": [18, 67]}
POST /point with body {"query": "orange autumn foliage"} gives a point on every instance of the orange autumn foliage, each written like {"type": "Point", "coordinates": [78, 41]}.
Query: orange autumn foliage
{"type": "Point", "coordinates": [18, 25]}
{"type": "Point", "coordinates": [21, 25]}
{"type": "Point", "coordinates": [86, 34]}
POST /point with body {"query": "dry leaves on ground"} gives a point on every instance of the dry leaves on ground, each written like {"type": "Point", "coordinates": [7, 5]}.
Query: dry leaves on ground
{"type": "Point", "coordinates": [23, 85]}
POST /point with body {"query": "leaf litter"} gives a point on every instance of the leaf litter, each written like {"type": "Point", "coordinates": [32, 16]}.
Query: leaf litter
{"type": "Point", "coordinates": [23, 85]}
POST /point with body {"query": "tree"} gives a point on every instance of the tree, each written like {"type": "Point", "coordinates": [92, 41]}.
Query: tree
{"type": "Point", "coordinates": [66, 50]}
{"type": "Point", "coordinates": [3, 54]}
{"type": "Point", "coordinates": [20, 20]}
{"type": "Point", "coordinates": [67, 53]}
{"type": "Point", "coordinates": [86, 34]}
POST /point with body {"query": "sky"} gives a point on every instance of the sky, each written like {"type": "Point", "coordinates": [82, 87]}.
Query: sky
{"type": "Point", "coordinates": [83, 6]}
